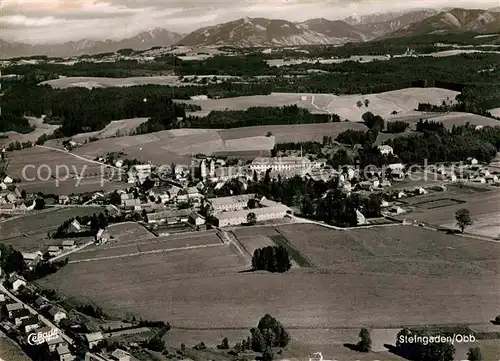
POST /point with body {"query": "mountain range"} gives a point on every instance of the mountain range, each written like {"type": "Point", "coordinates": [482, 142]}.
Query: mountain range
{"type": "Point", "coordinates": [276, 32]}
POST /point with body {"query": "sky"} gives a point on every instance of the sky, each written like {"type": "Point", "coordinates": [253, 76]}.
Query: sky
{"type": "Point", "coordinates": [56, 21]}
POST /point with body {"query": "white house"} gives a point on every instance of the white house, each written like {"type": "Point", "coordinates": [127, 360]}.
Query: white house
{"type": "Point", "coordinates": [63, 199]}
{"type": "Point", "coordinates": [472, 161]}
{"type": "Point", "coordinates": [11, 307]}
{"type": "Point", "coordinates": [30, 324]}
{"type": "Point", "coordinates": [57, 314]}
{"type": "Point", "coordinates": [360, 218]}
{"type": "Point", "coordinates": [18, 316]}
{"type": "Point", "coordinates": [385, 149]}
{"type": "Point", "coordinates": [75, 226]}
{"type": "Point", "coordinates": [120, 355]}
{"type": "Point", "coordinates": [17, 282]}
{"type": "Point", "coordinates": [68, 245]}
{"type": "Point", "coordinates": [93, 339]}
{"type": "Point", "coordinates": [196, 219]}
{"type": "Point", "coordinates": [64, 353]}
{"type": "Point", "coordinates": [8, 180]}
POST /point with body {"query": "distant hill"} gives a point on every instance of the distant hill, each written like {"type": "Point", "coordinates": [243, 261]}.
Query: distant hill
{"type": "Point", "coordinates": [142, 41]}
{"type": "Point", "coordinates": [454, 21]}
{"type": "Point", "coordinates": [379, 28]}
{"type": "Point", "coordinates": [249, 32]}
{"type": "Point", "coordinates": [273, 32]}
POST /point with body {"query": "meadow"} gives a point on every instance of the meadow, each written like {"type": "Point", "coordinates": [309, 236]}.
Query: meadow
{"type": "Point", "coordinates": [383, 277]}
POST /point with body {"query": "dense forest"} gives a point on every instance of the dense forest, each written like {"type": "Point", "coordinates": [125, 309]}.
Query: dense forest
{"type": "Point", "coordinates": [477, 76]}
{"type": "Point", "coordinates": [442, 145]}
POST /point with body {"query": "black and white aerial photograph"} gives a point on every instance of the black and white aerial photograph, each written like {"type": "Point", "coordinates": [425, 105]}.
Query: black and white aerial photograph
{"type": "Point", "coordinates": [249, 180]}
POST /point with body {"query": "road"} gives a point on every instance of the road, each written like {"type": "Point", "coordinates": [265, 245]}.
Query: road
{"type": "Point", "coordinates": [78, 156]}
{"type": "Point", "coordinates": [147, 252]}
{"type": "Point", "coordinates": [41, 318]}
{"type": "Point", "coordinates": [65, 254]}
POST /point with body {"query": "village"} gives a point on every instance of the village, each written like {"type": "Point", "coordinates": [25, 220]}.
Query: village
{"type": "Point", "coordinates": [184, 199]}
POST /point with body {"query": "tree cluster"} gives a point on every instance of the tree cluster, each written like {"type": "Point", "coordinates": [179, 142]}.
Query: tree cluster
{"type": "Point", "coordinates": [433, 351]}
{"type": "Point", "coordinates": [397, 126]}
{"type": "Point", "coordinates": [268, 333]}
{"type": "Point", "coordinates": [442, 145]}
{"type": "Point", "coordinates": [271, 259]}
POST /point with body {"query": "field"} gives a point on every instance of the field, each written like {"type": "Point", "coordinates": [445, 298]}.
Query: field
{"type": "Point", "coordinates": [127, 232]}
{"type": "Point", "coordinates": [176, 146]}
{"type": "Point", "coordinates": [147, 244]}
{"type": "Point", "coordinates": [40, 128]}
{"type": "Point", "coordinates": [52, 171]}
{"type": "Point", "coordinates": [10, 351]}
{"type": "Point", "coordinates": [383, 277]}
{"type": "Point", "coordinates": [484, 208]}
{"type": "Point", "coordinates": [292, 133]}
{"type": "Point", "coordinates": [29, 233]}
{"type": "Point", "coordinates": [448, 119]}
{"type": "Point", "coordinates": [495, 112]}
{"type": "Point", "coordinates": [116, 128]}
{"type": "Point", "coordinates": [100, 82]}
{"type": "Point", "coordinates": [383, 104]}
{"type": "Point", "coordinates": [398, 250]}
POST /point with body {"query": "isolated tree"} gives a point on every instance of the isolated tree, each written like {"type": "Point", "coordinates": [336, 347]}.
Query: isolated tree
{"type": "Point", "coordinates": [269, 134]}
{"type": "Point", "coordinates": [224, 345]}
{"type": "Point", "coordinates": [359, 103]}
{"type": "Point", "coordinates": [251, 218]}
{"type": "Point", "coordinates": [367, 102]}
{"type": "Point", "coordinates": [365, 342]}
{"type": "Point", "coordinates": [463, 218]}
{"type": "Point", "coordinates": [474, 354]}
{"type": "Point", "coordinates": [39, 203]}
{"type": "Point", "coordinates": [497, 319]}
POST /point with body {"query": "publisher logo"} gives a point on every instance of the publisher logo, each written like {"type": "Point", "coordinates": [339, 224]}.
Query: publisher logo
{"type": "Point", "coordinates": [38, 338]}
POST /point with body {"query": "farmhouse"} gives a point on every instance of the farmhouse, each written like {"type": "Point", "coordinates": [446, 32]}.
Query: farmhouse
{"type": "Point", "coordinates": [471, 161]}
{"type": "Point", "coordinates": [64, 354]}
{"type": "Point", "coordinates": [32, 258]}
{"type": "Point", "coordinates": [57, 314]}
{"type": "Point", "coordinates": [53, 343]}
{"type": "Point", "coordinates": [11, 307]}
{"type": "Point", "coordinates": [234, 218]}
{"type": "Point", "coordinates": [68, 245]}
{"type": "Point", "coordinates": [53, 251]}
{"type": "Point", "coordinates": [385, 149]}
{"type": "Point", "coordinates": [120, 355]}
{"type": "Point", "coordinates": [132, 203]}
{"type": "Point", "coordinates": [170, 216]}
{"type": "Point", "coordinates": [232, 203]}
{"type": "Point", "coordinates": [279, 164]}
{"type": "Point", "coordinates": [102, 236]}
{"type": "Point", "coordinates": [112, 210]}
{"type": "Point", "coordinates": [93, 339]}
{"type": "Point", "coordinates": [63, 199]}
{"type": "Point", "coordinates": [196, 219]}
{"type": "Point", "coordinates": [142, 172]}
{"type": "Point", "coordinates": [74, 227]}
{"type": "Point", "coordinates": [16, 282]}
{"type": "Point", "coordinates": [19, 315]}
{"type": "Point", "coordinates": [30, 324]}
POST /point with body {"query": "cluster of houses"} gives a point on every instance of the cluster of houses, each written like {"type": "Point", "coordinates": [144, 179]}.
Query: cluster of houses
{"type": "Point", "coordinates": [11, 200]}
{"type": "Point", "coordinates": [26, 321]}
{"type": "Point", "coordinates": [116, 355]}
